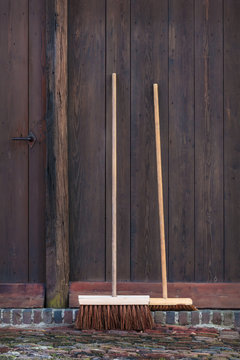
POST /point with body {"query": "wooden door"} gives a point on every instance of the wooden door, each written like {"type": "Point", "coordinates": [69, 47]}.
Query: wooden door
{"type": "Point", "coordinates": [190, 48]}
{"type": "Point", "coordinates": [22, 107]}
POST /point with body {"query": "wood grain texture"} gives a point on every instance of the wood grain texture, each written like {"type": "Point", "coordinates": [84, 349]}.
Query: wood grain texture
{"type": "Point", "coordinates": [232, 139]}
{"type": "Point", "coordinates": [209, 141]}
{"type": "Point", "coordinates": [181, 140]}
{"type": "Point", "coordinates": [114, 184]}
{"type": "Point", "coordinates": [20, 296]}
{"type": "Point", "coordinates": [13, 154]}
{"type": "Point", "coordinates": [178, 44]}
{"type": "Point", "coordinates": [160, 190]}
{"type": "Point", "coordinates": [149, 38]}
{"type": "Point", "coordinates": [57, 238]}
{"type": "Point", "coordinates": [113, 300]}
{"type": "Point", "coordinates": [204, 295]}
{"type": "Point", "coordinates": [118, 60]}
{"type": "Point", "coordinates": [37, 155]}
{"type": "Point", "coordinates": [86, 114]}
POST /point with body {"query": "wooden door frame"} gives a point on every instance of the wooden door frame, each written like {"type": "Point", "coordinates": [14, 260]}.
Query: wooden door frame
{"type": "Point", "coordinates": [57, 222]}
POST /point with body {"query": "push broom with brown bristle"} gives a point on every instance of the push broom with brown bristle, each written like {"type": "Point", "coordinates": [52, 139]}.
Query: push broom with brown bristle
{"type": "Point", "coordinates": [165, 303]}
{"type": "Point", "coordinates": [116, 311]}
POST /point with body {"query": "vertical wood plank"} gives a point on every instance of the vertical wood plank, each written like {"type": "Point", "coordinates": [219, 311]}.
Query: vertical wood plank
{"type": "Point", "coordinates": [87, 138]}
{"type": "Point", "coordinates": [37, 155]}
{"type": "Point", "coordinates": [181, 140]}
{"type": "Point", "coordinates": [232, 138]}
{"type": "Point", "coordinates": [149, 64]}
{"type": "Point", "coordinates": [118, 60]}
{"type": "Point", "coordinates": [13, 154]}
{"type": "Point", "coordinates": [57, 245]}
{"type": "Point", "coordinates": [208, 140]}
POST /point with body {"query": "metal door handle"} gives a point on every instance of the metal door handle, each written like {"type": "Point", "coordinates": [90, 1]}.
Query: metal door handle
{"type": "Point", "coordinates": [31, 138]}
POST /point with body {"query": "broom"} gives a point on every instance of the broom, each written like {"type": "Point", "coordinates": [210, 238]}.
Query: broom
{"type": "Point", "coordinates": [114, 312]}
{"type": "Point", "coordinates": [165, 303]}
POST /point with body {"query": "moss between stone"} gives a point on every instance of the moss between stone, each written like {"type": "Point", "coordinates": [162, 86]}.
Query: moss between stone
{"type": "Point", "coordinates": [57, 302]}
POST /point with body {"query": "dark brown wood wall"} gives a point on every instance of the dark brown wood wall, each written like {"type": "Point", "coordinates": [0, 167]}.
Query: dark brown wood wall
{"type": "Point", "coordinates": [14, 157]}
{"type": "Point", "coordinates": [191, 48]}
{"type": "Point", "coordinates": [22, 168]}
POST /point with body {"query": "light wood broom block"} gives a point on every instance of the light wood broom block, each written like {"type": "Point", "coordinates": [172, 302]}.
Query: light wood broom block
{"type": "Point", "coordinates": [113, 300]}
{"type": "Point", "coordinates": [170, 301]}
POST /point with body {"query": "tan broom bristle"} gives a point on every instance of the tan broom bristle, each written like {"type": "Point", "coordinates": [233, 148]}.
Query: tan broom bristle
{"type": "Point", "coordinates": [114, 317]}
{"type": "Point", "coordinates": [178, 307]}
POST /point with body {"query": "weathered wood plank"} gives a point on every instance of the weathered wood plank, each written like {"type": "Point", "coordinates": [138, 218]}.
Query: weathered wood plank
{"type": "Point", "coordinates": [14, 154]}
{"type": "Point", "coordinates": [118, 61]}
{"type": "Point", "coordinates": [204, 295]}
{"type": "Point", "coordinates": [57, 245]}
{"type": "Point", "coordinates": [113, 300]}
{"type": "Point", "coordinates": [209, 140]}
{"type": "Point", "coordinates": [232, 138]}
{"type": "Point", "coordinates": [37, 155]}
{"type": "Point", "coordinates": [149, 64]}
{"type": "Point", "coordinates": [86, 118]}
{"type": "Point", "coordinates": [22, 295]}
{"type": "Point", "coordinates": [201, 258]}
{"type": "Point", "coordinates": [181, 140]}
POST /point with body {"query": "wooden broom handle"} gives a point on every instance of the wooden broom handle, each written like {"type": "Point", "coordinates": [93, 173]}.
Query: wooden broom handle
{"type": "Point", "coordinates": [160, 192]}
{"type": "Point", "coordinates": [114, 185]}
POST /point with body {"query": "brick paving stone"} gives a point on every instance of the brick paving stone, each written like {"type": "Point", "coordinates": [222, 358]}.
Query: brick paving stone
{"type": "Point", "coordinates": [170, 317]}
{"type": "Point", "coordinates": [228, 318]}
{"type": "Point", "coordinates": [68, 317]}
{"type": "Point", "coordinates": [205, 317]}
{"type": "Point", "coordinates": [58, 316]}
{"type": "Point", "coordinates": [195, 317]}
{"type": "Point", "coordinates": [169, 342]}
{"type": "Point", "coordinates": [37, 316]}
{"type": "Point", "coordinates": [217, 318]}
{"type": "Point", "coordinates": [237, 319]}
{"type": "Point", "coordinates": [47, 316]}
{"type": "Point", "coordinates": [205, 339]}
{"type": "Point", "coordinates": [75, 312]}
{"type": "Point", "coordinates": [183, 318]}
{"type": "Point", "coordinates": [27, 316]}
{"type": "Point", "coordinates": [16, 316]}
{"type": "Point", "coordinates": [6, 316]}
{"type": "Point", "coordinates": [160, 317]}
{"type": "Point", "coordinates": [228, 334]}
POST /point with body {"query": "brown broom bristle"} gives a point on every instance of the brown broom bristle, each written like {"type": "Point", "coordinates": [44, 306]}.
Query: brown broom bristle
{"type": "Point", "coordinates": [173, 307]}
{"type": "Point", "coordinates": [114, 317]}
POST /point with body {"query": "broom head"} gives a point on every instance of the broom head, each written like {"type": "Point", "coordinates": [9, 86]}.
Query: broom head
{"type": "Point", "coordinates": [114, 313]}
{"type": "Point", "coordinates": [171, 304]}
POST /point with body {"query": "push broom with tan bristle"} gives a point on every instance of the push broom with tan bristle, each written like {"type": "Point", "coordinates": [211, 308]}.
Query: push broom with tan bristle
{"type": "Point", "coordinates": [165, 303]}
{"type": "Point", "coordinates": [115, 311]}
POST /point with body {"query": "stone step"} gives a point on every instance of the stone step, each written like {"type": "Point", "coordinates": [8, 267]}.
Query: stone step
{"type": "Point", "coordinates": [54, 317]}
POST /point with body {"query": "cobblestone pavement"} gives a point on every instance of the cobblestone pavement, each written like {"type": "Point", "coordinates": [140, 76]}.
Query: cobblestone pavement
{"type": "Point", "coordinates": [165, 342]}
